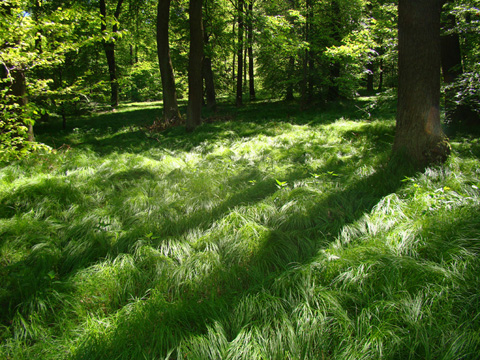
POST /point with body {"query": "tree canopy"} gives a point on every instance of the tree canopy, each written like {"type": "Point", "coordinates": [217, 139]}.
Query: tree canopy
{"type": "Point", "coordinates": [77, 56]}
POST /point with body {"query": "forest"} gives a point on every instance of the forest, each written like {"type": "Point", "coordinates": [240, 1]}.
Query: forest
{"type": "Point", "coordinates": [240, 179]}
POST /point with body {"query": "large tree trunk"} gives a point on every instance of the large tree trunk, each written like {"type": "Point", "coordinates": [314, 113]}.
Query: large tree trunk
{"type": "Point", "coordinates": [109, 47]}
{"type": "Point", "coordinates": [419, 135]}
{"type": "Point", "coordinates": [239, 96]}
{"type": "Point", "coordinates": [195, 62]}
{"type": "Point", "coordinates": [171, 114]}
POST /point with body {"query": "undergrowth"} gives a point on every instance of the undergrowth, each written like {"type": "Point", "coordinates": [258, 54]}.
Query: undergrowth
{"type": "Point", "coordinates": [272, 235]}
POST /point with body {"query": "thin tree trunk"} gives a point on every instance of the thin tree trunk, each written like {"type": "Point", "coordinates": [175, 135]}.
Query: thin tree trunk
{"type": "Point", "coordinates": [234, 52]}
{"type": "Point", "coordinates": [109, 47]}
{"type": "Point", "coordinates": [19, 91]}
{"type": "Point", "coordinates": [305, 77]}
{"type": "Point", "coordinates": [451, 70]}
{"type": "Point", "coordinates": [251, 65]}
{"type": "Point", "coordinates": [239, 96]}
{"type": "Point", "coordinates": [419, 135]}
{"type": "Point", "coordinates": [380, 73]}
{"type": "Point", "coordinates": [209, 83]}
{"type": "Point", "coordinates": [370, 76]}
{"type": "Point", "coordinates": [195, 79]}
{"type": "Point", "coordinates": [207, 63]}
{"type": "Point", "coordinates": [290, 73]}
{"type": "Point", "coordinates": [171, 114]}
{"type": "Point", "coordinates": [208, 76]}
{"type": "Point", "coordinates": [333, 89]}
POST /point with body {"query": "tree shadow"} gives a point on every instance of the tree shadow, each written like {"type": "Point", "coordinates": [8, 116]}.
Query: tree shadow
{"type": "Point", "coordinates": [110, 132]}
{"type": "Point", "coordinates": [161, 323]}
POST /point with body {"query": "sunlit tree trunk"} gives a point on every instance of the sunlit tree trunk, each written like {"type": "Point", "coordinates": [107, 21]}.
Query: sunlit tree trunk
{"type": "Point", "coordinates": [419, 135]}
{"type": "Point", "coordinates": [171, 113]}
{"type": "Point", "coordinates": [195, 65]}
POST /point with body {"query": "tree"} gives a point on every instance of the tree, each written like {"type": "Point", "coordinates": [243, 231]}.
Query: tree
{"type": "Point", "coordinates": [170, 105]}
{"type": "Point", "coordinates": [418, 134]}
{"type": "Point", "coordinates": [195, 65]}
{"type": "Point", "coordinates": [251, 65]}
{"type": "Point", "coordinates": [239, 88]}
{"type": "Point", "coordinates": [207, 60]}
{"type": "Point", "coordinates": [109, 46]}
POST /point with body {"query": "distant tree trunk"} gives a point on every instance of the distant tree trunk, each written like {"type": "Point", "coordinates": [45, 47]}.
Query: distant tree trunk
{"type": "Point", "coordinates": [239, 96]}
{"type": "Point", "coordinates": [208, 73]}
{"type": "Point", "coordinates": [333, 89]}
{"type": "Point", "coordinates": [370, 76]}
{"type": "Point", "coordinates": [170, 105]}
{"type": "Point", "coordinates": [109, 47]}
{"type": "Point", "coordinates": [451, 69]}
{"type": "Point", "coordinates": [290, 74]}
{"type": "Point", "coordinates": [306, 57]}
{"type": "Point", "coordinates": [251, 65]}
{"type": "Point", "coordinates": [419, 135]}
{"type": "Point", "coordinates": [195, 65]}
{"type": "Point", "coordinates": [234, 53]}
{"type": "Point", "coordinates": [380, 72]}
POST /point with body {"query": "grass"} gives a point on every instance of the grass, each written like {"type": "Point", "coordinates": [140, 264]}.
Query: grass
{"type": "Point", "coordinates": [276, 234]}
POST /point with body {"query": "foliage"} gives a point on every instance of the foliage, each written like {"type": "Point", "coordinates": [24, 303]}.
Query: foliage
{"type": "Point", "coordinates": [371, 44]}
{"type": "Point", "coordinates": [14, 123]}
{"type": "Point", "coordinates": [279, 38]}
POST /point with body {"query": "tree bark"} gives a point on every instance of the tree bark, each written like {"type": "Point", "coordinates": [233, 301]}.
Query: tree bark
{"type": "Point", "coordinates": [171, 114]}
{"type": "Point", "coordinates": [195, 65]}
{"type": "Point", "coordinates": [419, 135]}
{"type": "Point", "coordinates": [109, 47]}
{"type": "Point", "coordinates": [239, 96]}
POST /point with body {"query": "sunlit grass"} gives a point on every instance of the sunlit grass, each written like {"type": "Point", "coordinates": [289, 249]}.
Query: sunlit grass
{"type": "Point", "coordinates": [272, 235]}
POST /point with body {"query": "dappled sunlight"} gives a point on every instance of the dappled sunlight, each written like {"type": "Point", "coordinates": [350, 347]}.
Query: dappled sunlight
{"type": "Point", "coordinates": [289, 236]}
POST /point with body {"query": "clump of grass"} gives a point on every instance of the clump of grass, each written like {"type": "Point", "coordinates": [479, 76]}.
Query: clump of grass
{"type": "Point", "coordinates": [269, 236]}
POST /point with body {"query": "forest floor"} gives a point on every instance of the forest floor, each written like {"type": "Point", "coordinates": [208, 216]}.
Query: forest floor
{"type": "Point", "coordinates": [268, 233]}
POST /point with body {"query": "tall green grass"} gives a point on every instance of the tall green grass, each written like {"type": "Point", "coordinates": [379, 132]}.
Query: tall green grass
{"type": "Point", "coordinates": [276, 234]}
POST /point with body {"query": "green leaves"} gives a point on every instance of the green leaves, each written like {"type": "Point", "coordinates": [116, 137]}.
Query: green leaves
{"type": "Point", "coordinates": [281, 184]}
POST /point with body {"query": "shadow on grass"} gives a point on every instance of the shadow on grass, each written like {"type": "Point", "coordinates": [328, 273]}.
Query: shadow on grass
{"type": "Point", "coordinates": [157, 325]}
{"type": "Point", "coordinates": [109, 132]}
{"type": "Point", "coordinates": [326, 217]}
